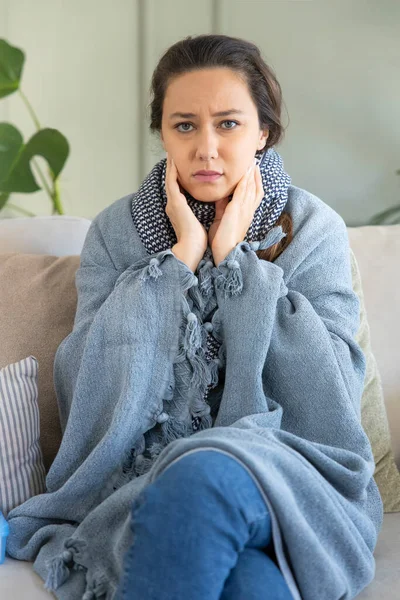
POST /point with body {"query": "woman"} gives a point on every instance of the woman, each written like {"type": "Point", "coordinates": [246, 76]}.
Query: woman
{"type": "Point", "coordinates": [210, 390]}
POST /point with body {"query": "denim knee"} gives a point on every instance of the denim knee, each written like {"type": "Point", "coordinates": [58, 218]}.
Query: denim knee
{"type": "Point", "coordinates": [204, 472]}
{"type": "Point", "coordinates": [202, 467]}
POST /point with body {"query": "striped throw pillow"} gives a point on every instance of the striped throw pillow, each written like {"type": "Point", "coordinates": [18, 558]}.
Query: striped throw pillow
{"type": "Point", "coordinates": [22, 472]}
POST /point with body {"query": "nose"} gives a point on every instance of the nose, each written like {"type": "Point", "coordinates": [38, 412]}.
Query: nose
{"type": "Point", "coordinates": [206, 145]}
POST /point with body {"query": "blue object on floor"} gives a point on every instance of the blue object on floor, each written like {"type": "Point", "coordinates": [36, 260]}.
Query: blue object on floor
{"type": "Point", "coordinates": [4, 531]}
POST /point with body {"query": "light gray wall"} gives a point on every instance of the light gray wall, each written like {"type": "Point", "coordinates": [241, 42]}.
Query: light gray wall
{"type": "Point", "coordinates": [80, 76]}
{"type": "Point", "coordinates": [88, 72]}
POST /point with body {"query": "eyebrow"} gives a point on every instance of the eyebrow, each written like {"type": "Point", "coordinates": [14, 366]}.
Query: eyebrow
{"type": "Point", "coordinates": [222, 113]}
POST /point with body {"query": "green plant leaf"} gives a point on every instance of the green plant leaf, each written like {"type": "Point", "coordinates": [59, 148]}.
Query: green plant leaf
{"type": "Point", "coordinates": [11, 64]}
{"type": "Point", "coordinates": [11, 142]}
{"type": "Point", "coordinates": [3, 200]}
{"type": "Point", "coordinates": [15, 171]}
{"type": "Point", "coordinates": [389, 216]}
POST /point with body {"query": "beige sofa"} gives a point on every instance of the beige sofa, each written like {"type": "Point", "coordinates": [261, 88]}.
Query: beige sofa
{"type": "Point", "coordinates": [377, 250]}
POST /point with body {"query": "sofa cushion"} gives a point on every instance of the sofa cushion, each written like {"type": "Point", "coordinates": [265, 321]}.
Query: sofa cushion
{"type": "Point", "coordinates": [386, 584]}
{"type": "Point", "coordinates": [58, 235]}
{"type": "Point", "coordinates": [37, 310]}
{"type": "Point", "coordinates": [373, 412]}
{"type": "Point", "coordinates": [377, 250]}
{"type": "Point", "coordinates": [22, 473]}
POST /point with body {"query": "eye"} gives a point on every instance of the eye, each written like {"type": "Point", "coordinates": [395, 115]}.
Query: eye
{"type": "Point", "coordinates": [188, 131]}
{"type": "Point", "coordinates": [179, 124]}
{"type": "Point", "coordinates": [231, 122]}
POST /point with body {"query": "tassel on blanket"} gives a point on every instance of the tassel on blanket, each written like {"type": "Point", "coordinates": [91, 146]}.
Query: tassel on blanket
{"type": "Point", "coordinates": [188, 280]}
{"type": "Point", "coordinates": [198, 407]}
{"type": "Point", "coordinates": [201, 372]}
{"type": "Point", "coordinates": [174, 429]}
{"type": "Point", "coordinates": [195, 296]}
{"type": "Point", "coordinates": [214, 371]}
{"type": "Point", "coordinates": [217, 326]}
{"type": "Point", "coordinates": [205, 278]}
{"type": "Point", "coordinates": [58, 573]}
{"type": "Point", "coordinates": [205, 422]}
{"type": "Point", "coordinates": [58, 570]}
{"type": "Point", "coordinates": [100, 589]}
{"type": "Point", "coordinates": [275, 235]}
{"type": "Point", "coordinates": [142, 464]}
{"type": "Point", "coordinates": [232, 284]}
{"type": "Point", "coordinates": [193, 337]}
{"type": "Point", "coordinates": [171, 429]}
{"type": "Point", "coordinates": [151, 270]}
{"type": "Point", "coordinates": [183, 372]}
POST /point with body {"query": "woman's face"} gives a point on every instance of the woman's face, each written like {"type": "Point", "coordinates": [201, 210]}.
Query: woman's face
{"type": "Point", "coordinates": [205, 141]}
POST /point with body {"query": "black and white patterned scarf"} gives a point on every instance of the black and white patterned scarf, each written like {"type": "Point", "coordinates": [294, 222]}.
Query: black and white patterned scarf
{"type": "Point", "coordinates": [155, 229]}
{"type": "Point", "coordinates": [157, 234]}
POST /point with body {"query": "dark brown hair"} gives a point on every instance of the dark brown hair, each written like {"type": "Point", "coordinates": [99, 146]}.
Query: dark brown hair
{"type": "Point", "coordinates": [243, 57]}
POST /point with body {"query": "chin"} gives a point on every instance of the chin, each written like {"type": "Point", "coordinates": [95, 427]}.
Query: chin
{"type": "Point", "coordinates": [205, 199]}
{"type": "Point", "coordinates": [208, 196]}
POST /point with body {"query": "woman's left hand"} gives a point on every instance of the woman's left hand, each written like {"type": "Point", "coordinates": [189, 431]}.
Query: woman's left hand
{"type": "Point", "coordinates": [233, 219]}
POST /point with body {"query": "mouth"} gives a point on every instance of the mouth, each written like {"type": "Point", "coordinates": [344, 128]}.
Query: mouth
{"type": "Point", "coordinates": [208, 178]}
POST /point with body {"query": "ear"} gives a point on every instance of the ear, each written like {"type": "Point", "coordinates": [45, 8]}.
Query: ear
{"type": "Point", "coordinates": [263, 138]}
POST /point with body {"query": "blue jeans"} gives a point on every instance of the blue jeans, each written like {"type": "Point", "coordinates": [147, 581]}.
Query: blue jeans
{"type": "Point", "coordinates": [202, 531]}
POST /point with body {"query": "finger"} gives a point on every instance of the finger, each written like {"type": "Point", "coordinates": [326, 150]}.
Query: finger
{"type": "Point", "coordinates": [250, 172]}
{"type": "Point", "coordinates": [172, 180]}
{"type": "Point", "coordinates": [251, 182]}
{"type": "Point", "coordinates": [244, 187]}
{"type": "Point", "coordinates": [256, 188]}
{"type": "Point", "coordinates": [245, 177]}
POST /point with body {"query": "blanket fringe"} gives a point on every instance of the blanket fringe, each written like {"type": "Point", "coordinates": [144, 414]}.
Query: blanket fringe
{"type": "Point", "coordinates": [232, 284]}
{"type": "Point", "coordinates": [195, 297]}
{"type": "Point", "coordinates": [193, 337]}
{"type": "Point", "coordinates": [205, 422]}
{"type": "Point", "coordinates": [60, 566]}
{"type": "Point", "coordinates": [171, 429]}
{"type": "Point", "coordinates": [58, 573]}
{"type": "Point", "coordinates": [205, 278]}
{"type": "Point", "coordinates": [273, 237]}
{"type": "Point", "coordinates": [217, 326]}
{"type": "Point", "coordinates": [184, 398]}
{"type": "Point", "coordinates": [100, 589]}
{"type": "Point", "coordinates": [214, 371]}
{"type": "Point", "coordinates": [201, 374]}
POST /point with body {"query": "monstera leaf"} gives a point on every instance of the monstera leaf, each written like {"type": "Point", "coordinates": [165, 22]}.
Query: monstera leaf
{"type": "Point", "coordinates": [16, 155]}
{"type": "Point", "coordinates": [15, 171]}
{"type": "Point", "coordinates": [11, 63]}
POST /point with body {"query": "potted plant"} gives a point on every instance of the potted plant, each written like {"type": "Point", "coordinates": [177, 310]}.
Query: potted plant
{"type": "Point", "coordinates": [16, 175]}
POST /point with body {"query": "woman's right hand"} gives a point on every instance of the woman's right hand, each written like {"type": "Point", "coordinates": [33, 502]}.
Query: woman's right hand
{"type": "Point", "coordinates": [191, 234]}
